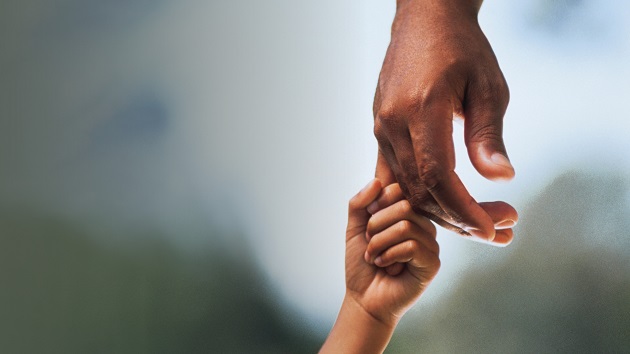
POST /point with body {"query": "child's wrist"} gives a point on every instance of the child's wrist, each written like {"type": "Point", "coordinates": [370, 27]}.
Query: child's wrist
{"type": "Point", "coordinates": [357, 331]}
{"type": "Point", "coordinates": [353, 306]}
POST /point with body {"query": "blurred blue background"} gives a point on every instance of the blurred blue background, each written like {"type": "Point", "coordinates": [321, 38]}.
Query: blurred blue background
{"type": "Point", "coordinates": [174, 178]}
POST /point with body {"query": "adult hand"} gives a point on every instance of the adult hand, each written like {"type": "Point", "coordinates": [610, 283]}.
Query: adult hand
{"type": "Point", "coordinates": [439, 67]}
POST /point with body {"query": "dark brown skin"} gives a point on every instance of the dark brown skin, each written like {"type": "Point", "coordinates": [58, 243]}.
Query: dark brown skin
{"type": "Point", "coordinates": [439, 66]}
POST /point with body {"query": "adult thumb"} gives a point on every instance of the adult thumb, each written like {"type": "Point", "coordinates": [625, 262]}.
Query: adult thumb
{"type": "Point", "coordinates": [483, 134]}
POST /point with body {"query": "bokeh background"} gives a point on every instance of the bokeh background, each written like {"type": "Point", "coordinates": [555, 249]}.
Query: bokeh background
{"type": "Point", "coordinates": [174, 178]}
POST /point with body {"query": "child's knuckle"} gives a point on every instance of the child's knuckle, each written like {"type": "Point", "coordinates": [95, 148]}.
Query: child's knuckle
{"type": "Point", "coordinates": [405, 208]}
{"type": "Point", "coordinates": [405, 226]}
{"type": "Point", "coordinates": [371, 248]}
{"type": "Point", "coordinates": [411, 246]}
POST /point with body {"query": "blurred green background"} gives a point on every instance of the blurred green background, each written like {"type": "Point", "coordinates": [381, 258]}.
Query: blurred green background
{"type": "Point", "coordinates": [174, 178]}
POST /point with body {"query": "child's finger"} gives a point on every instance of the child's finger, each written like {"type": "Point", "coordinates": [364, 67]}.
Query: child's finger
{"type": "Point", "coordinates": [412, 252]}
{"type": "Point", "coordinates": [401, 210]}
{"type": "Point", "coordinates": [400, 232]}
{"type": "Point", "coordinates": [390, 195]}
{"type": "Point", "coordinates": [357, 214]}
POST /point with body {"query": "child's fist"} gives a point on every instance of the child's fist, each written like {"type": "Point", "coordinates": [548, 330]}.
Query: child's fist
{"type": "Point", "coordinates": [391, 256]}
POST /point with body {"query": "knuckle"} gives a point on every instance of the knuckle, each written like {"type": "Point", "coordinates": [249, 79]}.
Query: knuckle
{"type": "Point", "coordinates": [371, 225]}
{"type": "Point", "coordinates": [353, 203]}
{"type": "Point", "coordinates": [411, 246]}
{"type": "Point", "coordinates": [379, 131]}
{"type": "Point", "coordinates": [371, 248]}
{"type": "Point", "coordinates": [486, 133]}
{"type": "Point", "coordinates": [494, 92]}
{"type": "Point", "coordinates": [424, 97]}
{"type": "Point", "coordinates": [397, 188]}
{"type": "Point", "coordinates": [387, 114]}
{"type": "Point", "coordinates": [431, 175]}
{"type": "Point", "coordinates": [391, 112]}
{"type": "Point", "coordinates": [405, 226]}
{"type": "Point", "coordinates": [404, 208]}
{"type": "Point", "coordinates": [437, 263]}
{"type": "Point", "coordinates": [434, 248]}
{"type": "Point", "coordinates": [388, 197]}
{"type": "Point", "coordinates": [504, 93]}
{"type": "Point", "coordinates": [500, 88]}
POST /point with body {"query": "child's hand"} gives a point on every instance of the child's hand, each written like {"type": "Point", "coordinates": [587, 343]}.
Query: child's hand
{"type": "Point", "coordinates": [391, 256]}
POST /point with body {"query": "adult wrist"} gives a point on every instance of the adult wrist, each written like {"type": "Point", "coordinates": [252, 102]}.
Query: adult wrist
{"type": "Point", "coordinates": [446, 8]}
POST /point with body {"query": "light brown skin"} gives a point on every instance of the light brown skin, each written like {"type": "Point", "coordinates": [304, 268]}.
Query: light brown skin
{"type": "Point", "coordinates": [375, 300]}
{"type": "Point", "coordinates": [439, 66]}
{"type": "Point", "coordinates": [391, 258]}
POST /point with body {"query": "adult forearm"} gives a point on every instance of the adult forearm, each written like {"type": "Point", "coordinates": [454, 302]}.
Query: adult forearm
{"type": "Point", "coordinates": [448, 8]}
{"type": "Point", "coordinates": [472, 4]}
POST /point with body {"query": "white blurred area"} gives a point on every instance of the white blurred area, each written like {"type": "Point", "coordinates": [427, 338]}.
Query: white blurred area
{"type": "Point", "coordinates": [257, 115]}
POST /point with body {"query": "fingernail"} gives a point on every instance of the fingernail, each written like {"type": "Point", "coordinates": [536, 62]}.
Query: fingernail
{"type": "Point", "coordinates": [505, 224]}
{"type": "Point", "coordinates": [499, 159]}
{"type": "Point", "coordinates": [372, 208]}
{"type": "Point", "coordinates": [366, 256]}
{"type": "Point", "coordinates": [378, 261]}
